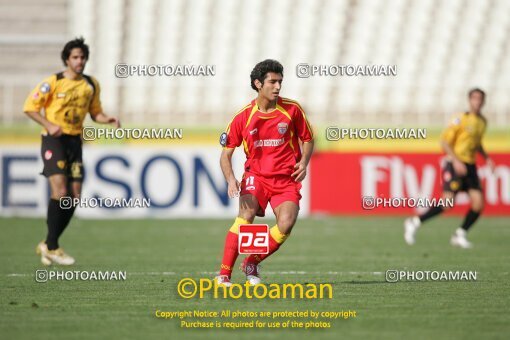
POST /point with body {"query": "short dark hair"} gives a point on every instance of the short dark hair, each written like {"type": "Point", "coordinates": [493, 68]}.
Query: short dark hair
{"type": "Point", "coordinates": [261, 70]}
{"type": "Point", "coordinates": [476, 90]}
{"type": "Point", "coordinates": [76, 43]}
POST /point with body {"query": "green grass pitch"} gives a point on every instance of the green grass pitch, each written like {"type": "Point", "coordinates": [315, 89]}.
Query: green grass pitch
{"type": "Point", "coordinates": [350, 253]}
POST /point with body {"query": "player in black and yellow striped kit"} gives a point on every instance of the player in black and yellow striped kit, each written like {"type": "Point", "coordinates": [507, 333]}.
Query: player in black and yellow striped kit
{"type": "Point", "coordinates": [461, 141]}
{"type": "Point", "coordinates": [66, 98]}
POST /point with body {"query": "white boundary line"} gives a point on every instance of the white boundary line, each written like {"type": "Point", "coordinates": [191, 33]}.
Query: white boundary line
{"type": "Point", "coordinates": [211, 273]}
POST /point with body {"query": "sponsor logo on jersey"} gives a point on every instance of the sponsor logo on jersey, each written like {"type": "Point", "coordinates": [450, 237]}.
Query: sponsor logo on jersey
{"type": "Point", "coordinates": [254, 131]}
{"type": "Point", "coordinates": [48, 154]}
{"type": "Point", "coordinates": [269, 142]}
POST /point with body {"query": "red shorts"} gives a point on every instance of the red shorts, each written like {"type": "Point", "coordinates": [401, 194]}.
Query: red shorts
{"type": "Point", "coordinates": [274, 190]}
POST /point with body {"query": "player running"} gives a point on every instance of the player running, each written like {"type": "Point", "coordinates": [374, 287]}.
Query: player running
{"type": "Point", "coordinates": [461, 140]}
{"type": "Point", "coordinates": [278, 143]}
{"type": "Point", "coordinates": [66, 97]}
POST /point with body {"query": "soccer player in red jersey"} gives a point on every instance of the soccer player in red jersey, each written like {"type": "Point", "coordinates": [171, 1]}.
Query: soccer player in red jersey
{"type": "Point", "coordinates": [278, 143]}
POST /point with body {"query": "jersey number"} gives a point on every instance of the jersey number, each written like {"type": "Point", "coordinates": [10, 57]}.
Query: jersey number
{"type": "Point", "coordinates": [250, 183]}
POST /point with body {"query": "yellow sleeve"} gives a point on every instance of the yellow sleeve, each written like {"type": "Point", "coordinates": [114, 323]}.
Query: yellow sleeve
{"type": "Point", "coordinates": [450, 133]}
{"type": "Point", "coordinates": [95, 104]}
{"type": "Point", "coordinates": [39, 96]}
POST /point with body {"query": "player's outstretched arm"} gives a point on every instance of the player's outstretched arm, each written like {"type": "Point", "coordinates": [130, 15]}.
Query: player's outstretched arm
{"type": "Point", "coordinates": [228, 172]}
{"type": "Point", "coordinates": [300, 168]}
{"type": "Point", "coordinates": [102, 118]}
{"type": "Point", "coordinates": [53, 129]}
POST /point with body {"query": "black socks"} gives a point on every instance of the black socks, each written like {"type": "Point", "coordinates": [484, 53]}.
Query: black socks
{"type": "Point", "coordinates": [431, 213]}
{"type": "Point", "coordinates": [57, 221]}
{"type": "Point", "coordinates": [470, 219]}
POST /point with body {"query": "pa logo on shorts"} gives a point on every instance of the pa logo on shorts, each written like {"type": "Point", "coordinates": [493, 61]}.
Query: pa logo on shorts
{"type": "Point", "coordinates": [223, 139]}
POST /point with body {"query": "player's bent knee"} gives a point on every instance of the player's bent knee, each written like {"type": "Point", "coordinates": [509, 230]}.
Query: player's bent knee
{"type": "Point", "coordinates": [285, 224]}
{"type": "Point", "coordinates": [248, 214]}
{"type": "Point", "coordinates": [477, 201]}
{"type": "Point", "coordinates": [477, 207]}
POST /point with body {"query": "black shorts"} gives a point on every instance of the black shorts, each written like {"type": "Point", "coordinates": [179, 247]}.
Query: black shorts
{"type": "Point", "coordinates": [455, 183]}
{"type": "Point", "coordinates": [62, 156]}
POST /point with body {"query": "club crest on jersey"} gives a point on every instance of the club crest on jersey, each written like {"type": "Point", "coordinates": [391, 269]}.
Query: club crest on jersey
{"type": "Point", "coordinates": [48, 154]}
{"type": "Point", "coordinates": [45, 88]}
{"type": "Point", "coordinates": [282, 128]}
{"type": "Point", "coordinates": [223, 139]}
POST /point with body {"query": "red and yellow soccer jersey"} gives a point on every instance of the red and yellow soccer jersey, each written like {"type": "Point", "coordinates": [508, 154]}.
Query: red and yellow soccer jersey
{"type": "Point", "coordinates": [271, 140]}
